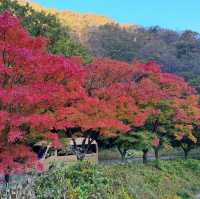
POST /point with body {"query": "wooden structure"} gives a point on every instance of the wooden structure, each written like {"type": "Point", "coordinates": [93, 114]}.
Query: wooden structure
{"type": "Point", "coordinates": [47, 155]}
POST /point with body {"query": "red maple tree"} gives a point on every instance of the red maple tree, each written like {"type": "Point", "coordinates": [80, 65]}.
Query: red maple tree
{"type": "Point", "coordinates": [140, 95]}
{"type": "Point", "coordinates": [34, 86]}
{"type": "Point", "coordinates": [186, 120]}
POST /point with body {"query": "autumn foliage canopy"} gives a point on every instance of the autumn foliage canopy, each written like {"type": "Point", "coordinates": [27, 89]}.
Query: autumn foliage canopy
{"type": "Point", "coordinates": [41, 93]}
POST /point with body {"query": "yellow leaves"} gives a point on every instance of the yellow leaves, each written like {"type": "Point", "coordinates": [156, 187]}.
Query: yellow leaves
{"type": "Point", "coordinates": [172, 197]}
{"type": "Point", "coordinates": [168, 147]}
{"type": "Point", "coordinates": [187, 102]}
{"type": "Point", "coordinates": [192, 137]}
{"type": "Point", "coordinates": [187, 111]}
{"type": "Point", "coordinates": [179, 136]}
{"type": "Point", "coordinates": [193, 99]}
{"type": "Point", "coordinates": [183, 127]}
{"type": "Point", "coordinates": [184, 130]}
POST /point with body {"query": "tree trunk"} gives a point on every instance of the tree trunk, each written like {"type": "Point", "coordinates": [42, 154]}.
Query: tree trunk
{"type": "Point", "coordinates": [185, 154]}
{"type": "Point", "coordinates": [80, 156]}
{"type": "Point", "coordinates": [123, 156]}
{"type": "Point", "coordinates": [145, 152]}
{"type": "Point", "coordinates": [156, 150]}
{"type": "Point", "coordinates": [122, 153]}
{"type": "Point", "coordinates": [186, 150]}
{"type": "Point", "coordinates": [7, 178]}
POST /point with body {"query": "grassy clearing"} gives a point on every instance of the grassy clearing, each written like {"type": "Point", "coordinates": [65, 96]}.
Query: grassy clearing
{"type": "Point", "coordinates": [171, 180]}
{"type": "Point", "coordinates": [113, 154]}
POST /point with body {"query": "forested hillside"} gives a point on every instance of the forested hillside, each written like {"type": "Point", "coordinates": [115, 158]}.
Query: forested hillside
{"type": "Point", "coordinates": [176, 52]}
{"type": "Point", "coordinates": [80, 24]}
{"type": "Point", "coordinates": [39, 23]}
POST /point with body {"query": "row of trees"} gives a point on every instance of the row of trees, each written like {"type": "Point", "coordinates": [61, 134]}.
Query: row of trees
{"type": "Point", "coordinates": [176, 52]}
{"type": "Point", "coordinates": [47, 97]}
{"type": "Point", "coordinates": [160, 109]}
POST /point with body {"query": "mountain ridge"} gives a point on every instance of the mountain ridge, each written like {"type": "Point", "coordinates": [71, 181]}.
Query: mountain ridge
{"type": "Point", "coordinates": [79, 23]}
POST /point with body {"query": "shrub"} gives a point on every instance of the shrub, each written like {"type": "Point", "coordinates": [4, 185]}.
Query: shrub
{"type": "Point", "coordinates": [82, 180]}
{"type": "Point", "coordinates": [172, 180]}
{"type": "Point", "coordinates": [52, 184]}
{"type": "Point", "coordinates": [88, 180]}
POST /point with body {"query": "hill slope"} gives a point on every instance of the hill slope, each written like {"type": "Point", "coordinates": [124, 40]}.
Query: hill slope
{"type": "Point", "coordinates": [38, 23]}
{"type": "Point", "coordinates": [176, 52]}
{"type": "Point", "coordinates": [79, 23]}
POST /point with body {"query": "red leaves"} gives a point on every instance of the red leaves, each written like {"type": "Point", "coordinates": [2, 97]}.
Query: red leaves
{"type": "Point", "coordinates": [39, 167]}
{"type": "Point", "coordinates": [12, 157]}
{"type": "Point", "coordinates": [149, 67]}
{"type": "Point", "coordinates": [8, 21]}
{"type": "Point", "coordinates": [102, 73]}
{"type": "Point", "coordinates": [155, 142]}
{"type": "Point", "coordinates": [179, 136]}
{"type": "Point", "coordinates": [148, 91]}
{"type": "Point", "coordinates": [112, 127]}
{"type": "Point", "coordinates": [133, 91]}
{"type": "Point", "coordinates": [139, 119]}
{"type": "Point", "coordinates": [186, 117]}
{"type": "Point", "coordinates": [40, 92]}
{"type": "Point", "coordinates": [54, 139]}
{"type": "Point", "coordinates": [14, 135]}
{"type": "Point", "coordinates": [34, 86]}
{"type": "Point", "coordinates": [40, 121]}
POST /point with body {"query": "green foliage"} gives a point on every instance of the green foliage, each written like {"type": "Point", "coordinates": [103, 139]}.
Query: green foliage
{"type": "Point", "coordinates": [140, 140]}
{"type": "Point", "coordinates": [146, 182]}
{"type": "Point", "coordinates": [89, 180]}
{"type": "Point", "coordinates": [183, 195]}
{"type": "Point", "coordinates": [52, 184]}
{"type": "Point", "coordinates": [69, 48]}
{"type": "Point", "coordinates": [79, 181]}
{"type": "Point", "coordinates": [109, 154]}
{"type": "Point", "coordinates": [173, 180]}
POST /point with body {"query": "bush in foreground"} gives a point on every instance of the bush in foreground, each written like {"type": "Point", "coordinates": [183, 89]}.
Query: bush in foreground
{"type": "Point", "coordinates": [81, 180]}
{"type": "Point", "coordinates": [172, 180]}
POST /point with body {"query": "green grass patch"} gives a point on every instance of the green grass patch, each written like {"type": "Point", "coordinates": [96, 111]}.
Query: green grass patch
{"type": "Point", "coordinates": [169, 180]}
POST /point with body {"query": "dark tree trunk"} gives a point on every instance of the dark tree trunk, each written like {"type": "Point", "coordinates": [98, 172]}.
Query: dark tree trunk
{"type": "Point", "coordinates": [123, 156]}
{"type": "Point", "coordinates": [144, 157]}
{"type": "Point", "coordinates": [122, 153]}
{"type": "Point", "coordinates": [186, 153]}
{"type": "Point", "coordinates": [7, 178]}
{"type": "Point", "coordinates": [156, 150]}
{"type": "Point", "coordinates": [80, 156]}
{"type": "Point", "coordinates": [186, 150]}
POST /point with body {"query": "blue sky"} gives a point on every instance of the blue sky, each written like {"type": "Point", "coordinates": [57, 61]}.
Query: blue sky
{"type": "Point", "coordinates": [175, 14]}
